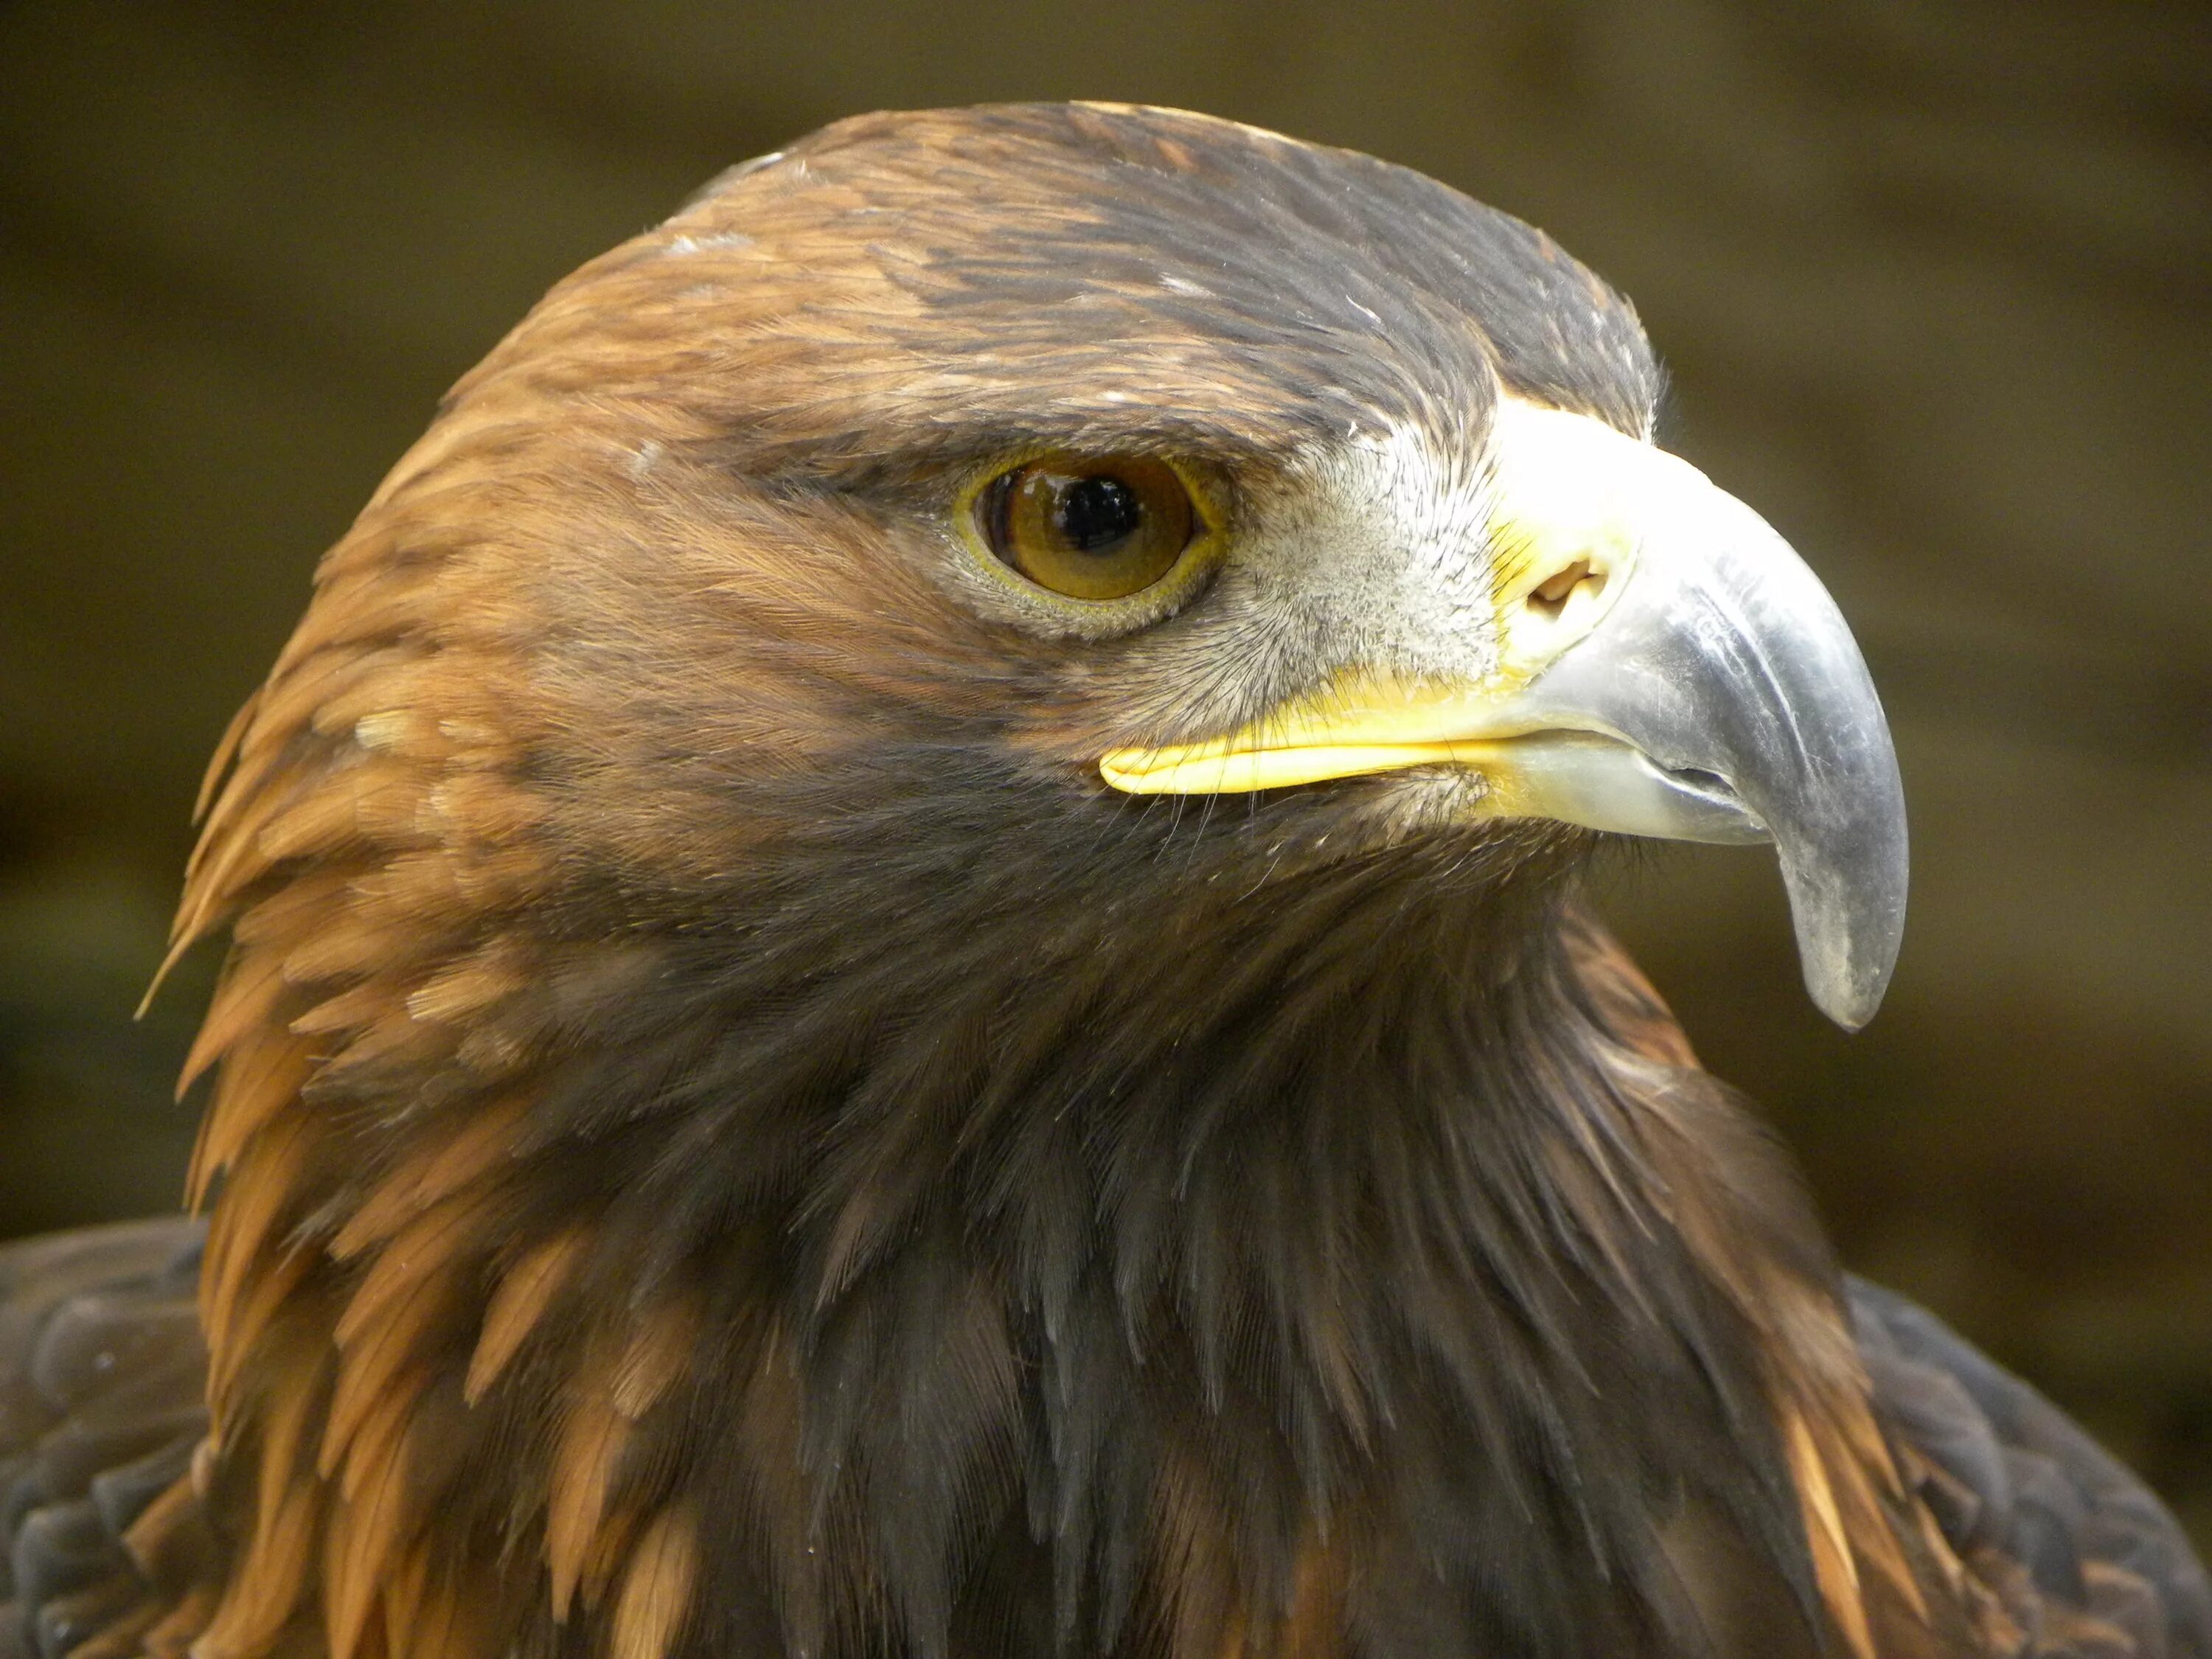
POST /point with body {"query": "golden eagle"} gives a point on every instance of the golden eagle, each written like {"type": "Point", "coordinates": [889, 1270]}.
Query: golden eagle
{"type": "Point", "coordinates": [906, 982]}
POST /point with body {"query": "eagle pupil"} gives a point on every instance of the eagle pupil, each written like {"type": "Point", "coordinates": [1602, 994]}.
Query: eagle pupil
{"type": "Point", "coordinates": [1097, 512]}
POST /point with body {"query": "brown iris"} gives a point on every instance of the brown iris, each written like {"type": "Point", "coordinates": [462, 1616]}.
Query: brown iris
{"type": "Point", "coordinates": [1089, 528]}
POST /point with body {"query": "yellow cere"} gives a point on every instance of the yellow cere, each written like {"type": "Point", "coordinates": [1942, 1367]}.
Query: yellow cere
{"type": "Point", "coordinates": [1565, 495]}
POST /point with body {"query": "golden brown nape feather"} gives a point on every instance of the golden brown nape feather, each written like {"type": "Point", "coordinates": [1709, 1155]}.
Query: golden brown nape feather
{"type": "Point", "coordinates": [723, 1137]}
{"type": "Point", "coordinates": [381, 1259]}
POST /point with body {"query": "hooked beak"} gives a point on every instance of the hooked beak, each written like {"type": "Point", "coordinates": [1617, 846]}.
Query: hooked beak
{"type": "Point", "coordinates": [1668, 667]}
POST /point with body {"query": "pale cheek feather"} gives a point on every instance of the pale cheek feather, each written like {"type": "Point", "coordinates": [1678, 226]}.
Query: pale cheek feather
{"type": "Point", "coordinates": [1384, 535]}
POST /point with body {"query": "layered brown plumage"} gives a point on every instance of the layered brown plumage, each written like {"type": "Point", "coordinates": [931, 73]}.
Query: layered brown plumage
{"type": "Point", "coordinates": [726, 1136]}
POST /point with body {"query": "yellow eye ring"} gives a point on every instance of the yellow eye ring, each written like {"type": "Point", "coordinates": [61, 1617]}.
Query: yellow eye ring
{"type": "Point", "coordinates": [1095, 528]}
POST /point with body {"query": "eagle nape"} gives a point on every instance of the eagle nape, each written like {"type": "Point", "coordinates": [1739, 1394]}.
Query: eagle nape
{"type": "Point", "coordinates": [763, 1105]}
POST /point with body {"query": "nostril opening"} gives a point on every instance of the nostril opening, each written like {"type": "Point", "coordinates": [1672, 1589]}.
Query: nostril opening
{"type": "Point", "coordinates": [1552, 594]}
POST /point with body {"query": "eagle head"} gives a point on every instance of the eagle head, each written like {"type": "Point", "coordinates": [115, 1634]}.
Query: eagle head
{"type": "Point", "coordinates": [903, 954]}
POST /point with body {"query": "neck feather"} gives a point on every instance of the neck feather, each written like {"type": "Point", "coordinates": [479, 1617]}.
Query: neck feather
{"type": "Point", "coordinates": [1304, 1258]}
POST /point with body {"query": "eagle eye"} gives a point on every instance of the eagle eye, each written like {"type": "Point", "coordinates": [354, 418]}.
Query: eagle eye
{"type": "Point", "coordinates": [1089, 528]}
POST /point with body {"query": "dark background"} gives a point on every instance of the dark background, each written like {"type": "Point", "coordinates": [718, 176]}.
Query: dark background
{"type": "Point", "coordinates": [1934, 282]}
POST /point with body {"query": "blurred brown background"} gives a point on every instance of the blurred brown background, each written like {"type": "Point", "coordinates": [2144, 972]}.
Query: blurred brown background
{"type": "Point", "coordinates": [1935, 281]}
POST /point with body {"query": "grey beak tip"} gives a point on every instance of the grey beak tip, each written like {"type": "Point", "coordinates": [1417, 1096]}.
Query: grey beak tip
{"type": "Point", "coordinates": [1849, 1006]}
{"type": "Point", "coordinates": [1847, 896]}
{"type": "Point", "coordinates": [1847, 959]}
{"type": "Point", "coordinates": [1852, 1013]}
